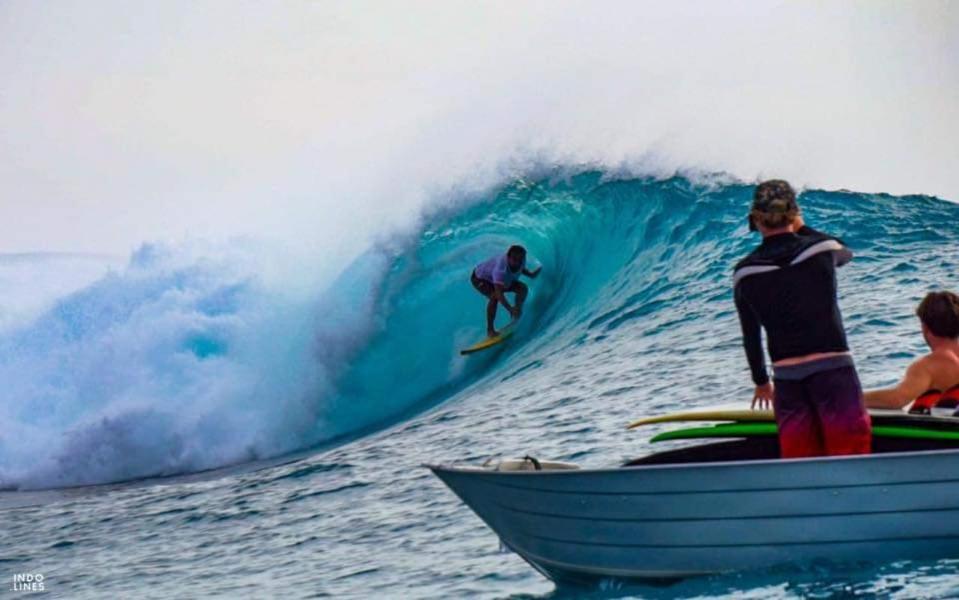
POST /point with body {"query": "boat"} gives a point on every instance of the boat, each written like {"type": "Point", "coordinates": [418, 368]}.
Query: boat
{"type": "Point", "coordinates": [719, 507]}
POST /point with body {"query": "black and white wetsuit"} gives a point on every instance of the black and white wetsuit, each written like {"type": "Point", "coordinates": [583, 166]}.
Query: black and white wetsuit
{"type": "Point", "coordinates": [788, 287]}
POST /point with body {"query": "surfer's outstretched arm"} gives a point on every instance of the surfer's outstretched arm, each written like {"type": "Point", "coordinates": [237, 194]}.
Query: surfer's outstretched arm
{"type": "Point", "coordinates": [534, 273]}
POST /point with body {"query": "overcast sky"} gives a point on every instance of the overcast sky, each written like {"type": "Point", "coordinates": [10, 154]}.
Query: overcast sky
{"type": "Point", "coordinates": [124, 122]}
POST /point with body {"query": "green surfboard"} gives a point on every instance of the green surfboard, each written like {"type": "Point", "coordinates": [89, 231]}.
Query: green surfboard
{"type": "Point", "coordinates": [741, 430]}
{"type": "Point", "coordinates": [745, 415]}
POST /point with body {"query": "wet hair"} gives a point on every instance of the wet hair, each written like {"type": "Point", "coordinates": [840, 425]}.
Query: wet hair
{"type": "Point", "coordinates": [774, 204]}
{"type": "Point", "coordinates": [939, 311]}
{"type": "Point", "coordinates": [517, 251]}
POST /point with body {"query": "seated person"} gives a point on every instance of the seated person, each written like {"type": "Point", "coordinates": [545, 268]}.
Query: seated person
{"type": "Point", "coordinates": [932, 380]}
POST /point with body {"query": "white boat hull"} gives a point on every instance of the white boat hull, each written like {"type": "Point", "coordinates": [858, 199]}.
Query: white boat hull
{"type": "Point", "coordinates": [673, 521]}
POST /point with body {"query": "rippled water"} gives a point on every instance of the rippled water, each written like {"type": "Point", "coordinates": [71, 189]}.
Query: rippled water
{"type": "Point", "coordinates": [633, 315]}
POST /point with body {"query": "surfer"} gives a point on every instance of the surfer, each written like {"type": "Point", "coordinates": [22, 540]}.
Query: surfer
{"type": "Point", "coordinates": [498, 275]}
{"type": "Point", "coordinates": [787, 286]}
{"type": "Point", "coordinates": [934, 378]}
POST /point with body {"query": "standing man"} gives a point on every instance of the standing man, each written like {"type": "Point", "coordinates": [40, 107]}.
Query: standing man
{"type": "Point", "coordinates": [498, 275]}
{"type": "Point", "coordinates": [787, 286]}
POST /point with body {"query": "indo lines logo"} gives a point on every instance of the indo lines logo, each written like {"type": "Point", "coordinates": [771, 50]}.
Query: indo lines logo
{"type": "Point", "coordinates": [28, 582]}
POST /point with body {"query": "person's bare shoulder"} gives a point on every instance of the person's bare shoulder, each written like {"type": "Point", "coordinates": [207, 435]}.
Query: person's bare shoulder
{"type": "Point", "coordinates": [925, 364]}
{"type": "Point", "coordinates": [940, 367]}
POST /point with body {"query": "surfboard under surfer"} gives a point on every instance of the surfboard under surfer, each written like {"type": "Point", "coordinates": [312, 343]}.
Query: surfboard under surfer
{"type": "Point", "coordinates": [498, 275]}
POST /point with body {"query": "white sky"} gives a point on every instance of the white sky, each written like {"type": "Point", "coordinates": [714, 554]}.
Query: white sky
{"type": "Point", "coordinates": [123, 122]}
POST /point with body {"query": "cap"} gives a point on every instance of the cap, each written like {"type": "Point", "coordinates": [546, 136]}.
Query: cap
{"type": "Point", "coordinates": [773, 197]}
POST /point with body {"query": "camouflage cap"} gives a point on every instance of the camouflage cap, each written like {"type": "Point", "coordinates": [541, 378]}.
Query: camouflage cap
{"type": "Point", "coordinates": [774, 196]}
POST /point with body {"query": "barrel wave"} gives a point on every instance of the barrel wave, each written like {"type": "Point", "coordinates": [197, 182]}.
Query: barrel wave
{"type": "Point", "coordinates": [189, 359]}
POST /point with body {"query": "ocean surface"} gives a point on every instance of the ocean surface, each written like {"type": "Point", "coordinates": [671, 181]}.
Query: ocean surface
{"type": "Point", "coordinates": [182, 424]}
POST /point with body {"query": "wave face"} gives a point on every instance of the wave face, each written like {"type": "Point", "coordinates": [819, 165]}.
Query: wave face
{"type": "Point", "coordinates": [184, 361]}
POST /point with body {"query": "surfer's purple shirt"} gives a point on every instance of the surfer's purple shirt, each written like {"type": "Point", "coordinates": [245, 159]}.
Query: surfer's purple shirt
{"type": "Point", "coordinates": [497, 270]}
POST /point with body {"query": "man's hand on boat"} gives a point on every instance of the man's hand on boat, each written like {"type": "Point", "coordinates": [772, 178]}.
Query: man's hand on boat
{"type": "Point", "coordinates": [763, 396]}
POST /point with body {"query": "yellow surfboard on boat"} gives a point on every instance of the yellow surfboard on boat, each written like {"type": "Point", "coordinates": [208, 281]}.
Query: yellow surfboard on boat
{"type": "Point", "coordinates": [745, 415]}
{"type": "Point", "coordinates": [489, 342]}
{"type": "Point", "coordinates": [739, 415]}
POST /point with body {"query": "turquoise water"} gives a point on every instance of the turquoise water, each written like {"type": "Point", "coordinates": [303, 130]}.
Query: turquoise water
{"type": "Point", "coordinates": [315, 413]}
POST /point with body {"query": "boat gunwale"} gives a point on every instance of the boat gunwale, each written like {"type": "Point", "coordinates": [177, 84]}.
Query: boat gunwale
{"type": "Point", "coordinates": [737, 490]}
{"type": "Point", "coordinates": [726, 464]}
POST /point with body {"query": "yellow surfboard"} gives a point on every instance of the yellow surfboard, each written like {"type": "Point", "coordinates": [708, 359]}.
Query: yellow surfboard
{"type": "Point", "coordinates": [740, 415]}
{"type": "Point", "coordinates": [489, 342]}
{"type": "Point", "coordinates": [745, 415]}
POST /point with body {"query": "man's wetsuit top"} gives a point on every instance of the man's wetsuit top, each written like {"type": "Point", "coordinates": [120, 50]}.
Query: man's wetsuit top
{"type": "Point", "coordinates": [788, 287]}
